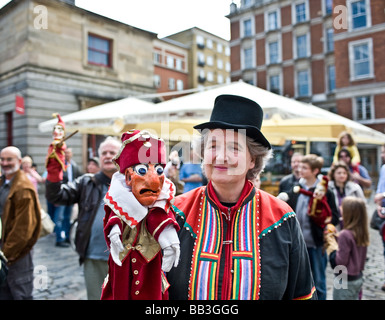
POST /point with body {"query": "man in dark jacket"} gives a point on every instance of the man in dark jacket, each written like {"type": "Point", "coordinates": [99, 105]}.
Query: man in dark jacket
{"type": "Point", "coordinates": [88, 191]}
{"type": "Point", "coordinates": [310, 168]}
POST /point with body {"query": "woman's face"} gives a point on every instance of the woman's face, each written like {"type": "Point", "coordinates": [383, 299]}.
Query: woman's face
{"type": "Point", "coordinates": [226, 157]}
{"type": "Point", "coordinates": [340, 175]}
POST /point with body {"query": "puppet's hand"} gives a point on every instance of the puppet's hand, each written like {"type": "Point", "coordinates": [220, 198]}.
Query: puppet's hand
{"type": "Point", "coordinates": [170, 257]}
{"type": "Point", "coordinates": [116, 245]}
{"type": "Point", "coordinates": [169, 242]}
{"type": "Point", "coordinates": [330, 243]}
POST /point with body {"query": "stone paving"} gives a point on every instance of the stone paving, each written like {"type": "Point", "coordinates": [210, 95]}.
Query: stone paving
{"type": "Point", "coordinates": [58, 275]}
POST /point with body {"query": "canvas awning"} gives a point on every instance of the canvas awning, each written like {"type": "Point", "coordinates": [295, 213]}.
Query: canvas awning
{"type": "Point", "coordinates": [284, 118]}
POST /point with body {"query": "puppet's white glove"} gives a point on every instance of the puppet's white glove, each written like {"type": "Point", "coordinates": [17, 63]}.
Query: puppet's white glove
{"type": "Point", "coordinates": [169, 242]}
{"type": "Point", "coordinates": [116, 245]}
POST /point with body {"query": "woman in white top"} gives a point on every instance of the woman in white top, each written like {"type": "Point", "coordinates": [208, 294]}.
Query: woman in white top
{"type": "Point", "coordinates": [342, 185]}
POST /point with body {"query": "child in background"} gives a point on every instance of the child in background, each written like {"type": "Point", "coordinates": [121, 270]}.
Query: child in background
{"type": "Point", "coordinates": [349, 250]}
{"type": "Point", "coordinates": [346, 141]}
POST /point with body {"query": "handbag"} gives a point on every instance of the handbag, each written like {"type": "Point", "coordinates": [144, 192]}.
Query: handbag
{"type": "Point", "coordinates": [47, 225]}
{"type": "Point", "coordinates": [3, 264]}
{"type": "Point", "coordinates": [377, 219]}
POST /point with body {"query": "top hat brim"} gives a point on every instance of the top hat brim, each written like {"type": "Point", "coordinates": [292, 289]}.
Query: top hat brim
{"type": "Point", "coordinates": [251, 131]}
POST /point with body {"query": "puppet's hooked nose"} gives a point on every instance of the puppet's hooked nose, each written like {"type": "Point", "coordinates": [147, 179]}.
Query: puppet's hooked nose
{"type": "Point", "coordinates": [153, 179]}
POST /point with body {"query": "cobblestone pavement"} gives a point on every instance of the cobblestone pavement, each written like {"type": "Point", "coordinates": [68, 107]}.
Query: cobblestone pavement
{"type": "Point", "coordinates": [58, 275]}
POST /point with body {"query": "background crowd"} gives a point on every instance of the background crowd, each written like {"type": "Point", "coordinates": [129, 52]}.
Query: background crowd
{"type": "Point", "coordinates": [81, 195]}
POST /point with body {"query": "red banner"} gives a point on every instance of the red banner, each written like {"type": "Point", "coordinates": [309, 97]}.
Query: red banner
{"type": "Point", "coordinates": [19, 105]}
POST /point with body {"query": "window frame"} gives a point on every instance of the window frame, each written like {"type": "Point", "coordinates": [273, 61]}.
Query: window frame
{"type": "Point", "coordinates": [109, 53]}
{"type": "Point", "coordinates": [368, 108]}
{"type": "Point", "coordinates": [352, 45]}
{"type": "Point", "coordinates": [349, 4]}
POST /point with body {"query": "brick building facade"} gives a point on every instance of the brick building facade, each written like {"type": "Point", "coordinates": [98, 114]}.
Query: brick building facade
{"type": "Point", "coordinates": [325, 52]}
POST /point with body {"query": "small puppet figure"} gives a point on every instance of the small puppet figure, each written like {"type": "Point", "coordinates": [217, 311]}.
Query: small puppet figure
{"type": "Point", "coordinates": [55, 161]}
{"type": "Point", "coordinates": [318, 210]}
{"type": "Point", "coordinates": [139, 226]}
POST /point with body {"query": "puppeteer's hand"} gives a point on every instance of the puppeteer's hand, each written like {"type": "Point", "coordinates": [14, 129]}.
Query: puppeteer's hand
{"type": "Point", "coordinates": [116, 245]}
{"type": "Point", "coordinates": [169, 242]}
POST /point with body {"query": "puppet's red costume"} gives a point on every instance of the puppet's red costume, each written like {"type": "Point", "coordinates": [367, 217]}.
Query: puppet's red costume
{"type": "Point", "coordinates": [319, 209]}
{"type": "Point", "coordinates": [140, 276]}
{"type": "Point", "coordinates": [55, 160]}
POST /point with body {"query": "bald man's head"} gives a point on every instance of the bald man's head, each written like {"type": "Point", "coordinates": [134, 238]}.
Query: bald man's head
{"type": "Point", "coordinates": [10, 160]}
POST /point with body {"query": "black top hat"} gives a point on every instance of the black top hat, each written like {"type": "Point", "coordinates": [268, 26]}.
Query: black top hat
{"type": "Point", "coordinates": [235, 112]}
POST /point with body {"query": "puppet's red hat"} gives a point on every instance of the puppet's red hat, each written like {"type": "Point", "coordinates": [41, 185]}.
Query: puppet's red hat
{"type": "Point", "coordinates": [60, 121]}
{"type": "Point", "coordinates": [140, 147]}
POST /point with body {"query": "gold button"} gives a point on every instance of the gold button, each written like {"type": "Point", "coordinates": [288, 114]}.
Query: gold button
{"type": "Point", "coordinates": [137, 282]}
{"type": "Point", "coordinates": [136, 292]}
{"type": "Point", "coordinates": [133, 260]}
{"type": "Point", "coordinates": [136, 271]}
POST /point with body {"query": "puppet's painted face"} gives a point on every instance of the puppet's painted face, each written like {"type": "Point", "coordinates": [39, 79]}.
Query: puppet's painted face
{"type": "Point", "coordinates": [58, 132]}
{"type": "Point", "coordinates": [146, 182]}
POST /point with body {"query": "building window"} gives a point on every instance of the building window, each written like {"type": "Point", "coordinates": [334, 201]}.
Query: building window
{"type": "Point", "coordinates": [228, 67]}
{"type": "Point", "coordinates": [328, 6]}
{"type": "Point", "coordinates": [246, 3]}
{"type": "Point", "coordinates": [302, 47]}
{"type": "Point", "coordinates": [200, 42]}
{"type": "Point", "coordinates": [157, 57]}
{"type": "Point", "coordinates": [329, 40]}
{"type": "Point", "coordinates": [331, 78]}
{"type": "Point", "coordinates": [210, 76]}
{"type": "Point", "coordinates": [220, 79]}
{"type": "Point", "coordinates": [179, 85]}
{"type": "Point", "coordinates": [273, 52]}
{"type": "Point", "coordinates": [99, 51]}
{"type": "Point", "coordinates": [247, 32]}
{"type": "Point", "coordinates": [300, 12]}
{"type": "Point", "coordinates": [227, 51]}
{"type": "Point", "coordinates": [363, 108]}
{"type": "Point", "coordinates": [359, 14]}
{"type": "Point", "coordinates": [274, 83]}
{"type": "Point", "coordinates": [272, 21]}
{"type": "Point", "coordinates": [220, 64]}
{"type": "Point", "coordinates": [303, 83]}
{"type": "Point", "coordinates": [171, 83]}
{"type": "Point", "coordinates": [178, 64]}
{"type": "Point", "coordinates": [209, 43]}
{"type": "Point", "coordinates": [219, 47]}
{"type": "Point", "coordinates": [170, 62]}
{"type": "Point", "coordinates": [361, 59]}
{"type": "Point", "coordinates": [201, 59]}
{"type": "Point", "coordinates": [210, 60]}
{"type": "Point", "coordinates": [156, 80]}
{"type": "Point", "coordinates": [201, 77]}
{"type": "Point", "coordinates": [247, 58]}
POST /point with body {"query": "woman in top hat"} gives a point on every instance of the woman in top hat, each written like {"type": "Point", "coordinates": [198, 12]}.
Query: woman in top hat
{"type": "Point", "coordinates": [237, 242]}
